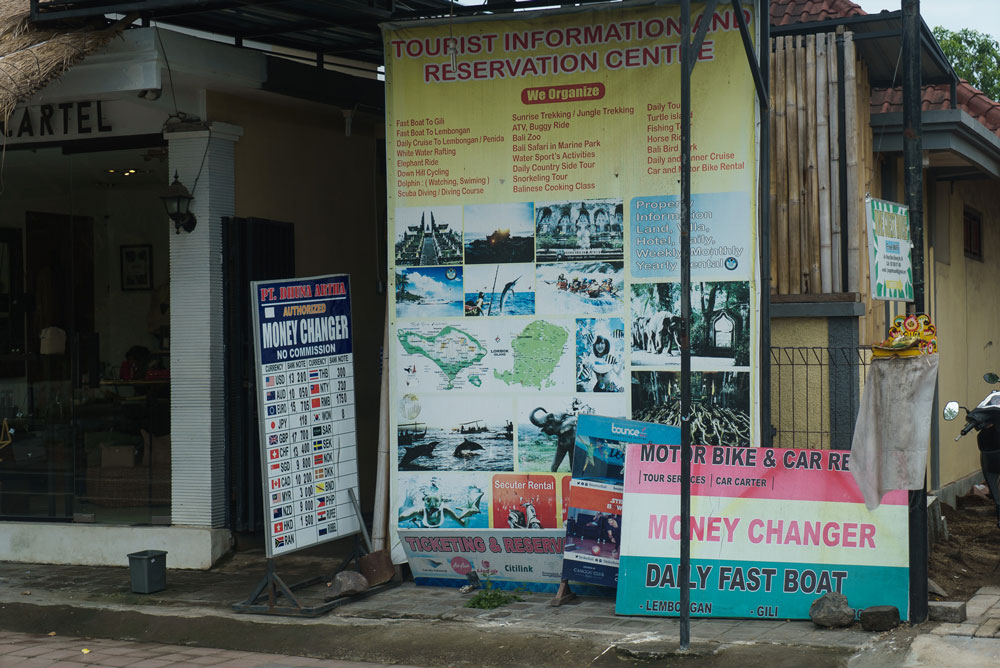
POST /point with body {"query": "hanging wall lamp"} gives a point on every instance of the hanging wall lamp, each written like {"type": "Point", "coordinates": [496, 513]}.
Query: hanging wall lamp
{"type": "Point", "coordinates": [177, 199]}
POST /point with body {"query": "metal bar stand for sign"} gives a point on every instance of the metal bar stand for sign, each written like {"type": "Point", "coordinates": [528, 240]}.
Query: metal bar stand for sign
{"type": "Point", "coordinates": [272, 596]}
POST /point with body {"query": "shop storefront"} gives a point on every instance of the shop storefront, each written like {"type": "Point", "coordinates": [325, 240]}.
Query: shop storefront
{"type": "Point", "coordinates": [115, 433]}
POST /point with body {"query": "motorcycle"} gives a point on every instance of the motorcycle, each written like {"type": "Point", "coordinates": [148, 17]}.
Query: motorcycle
{"type": "Point", "coordinates": [985, 419]}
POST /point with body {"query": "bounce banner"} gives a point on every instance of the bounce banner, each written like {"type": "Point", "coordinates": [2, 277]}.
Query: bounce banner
{"type": "Point", "coordinates": [533, 202]}
{"type": "Point", "coordinates": [594, 513]}
{"type": "Point", "coordinates": [771, 531]}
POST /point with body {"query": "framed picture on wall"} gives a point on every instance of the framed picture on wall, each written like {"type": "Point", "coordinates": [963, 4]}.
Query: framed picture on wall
{"type": "Point", "coordinates": [137, 267]}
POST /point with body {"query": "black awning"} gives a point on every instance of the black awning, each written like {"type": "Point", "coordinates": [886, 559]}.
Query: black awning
{"type": "Point", "coordinates": [344, 28]}
{"type": "Point", "coordinates": [878, 39]}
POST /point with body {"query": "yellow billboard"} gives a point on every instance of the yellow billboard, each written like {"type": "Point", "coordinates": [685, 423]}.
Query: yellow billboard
{"type": "Point", "coordinates": [534, 181]}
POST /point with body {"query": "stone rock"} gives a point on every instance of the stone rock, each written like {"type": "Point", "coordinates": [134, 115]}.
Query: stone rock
{"type": "Point", "coordinates": [946, 611]}
{"type": "Point", "coordinates": [879, 618]}
{"type": "Point", "coordinates": [935, 588]}
{"type": "Point", "coordinates": [831, 610]}
{"type": "Point", "coordinates": [347, 583]}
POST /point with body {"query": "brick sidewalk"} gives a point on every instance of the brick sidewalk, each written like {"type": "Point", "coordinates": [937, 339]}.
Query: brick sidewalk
{"type": "Point", "coordinates": [983, 612]}
{"type": "Point", "coordinates": [24, 650]}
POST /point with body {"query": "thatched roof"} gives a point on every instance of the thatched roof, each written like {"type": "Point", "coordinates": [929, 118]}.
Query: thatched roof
{"type": "Point", "coordinates": [32, 55]}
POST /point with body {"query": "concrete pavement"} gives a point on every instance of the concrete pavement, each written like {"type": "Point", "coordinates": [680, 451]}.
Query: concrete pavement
{"type": "Point", "coordinates": [26, 650]}
{"type": "Point", "coordinates": [411, 625]}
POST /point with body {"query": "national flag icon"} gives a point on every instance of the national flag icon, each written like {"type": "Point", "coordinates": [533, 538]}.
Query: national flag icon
{"type": "Point", "coordinates": [314, 388]}
{"type": "Point", "coordinates": [316, 417]}
{"type": "Point", "coordinates": [321, 502]}
{"type": "Point", "coordinates": [272, 410]}
{"type": "Point", "coordinates": [276, 466]}
{"type": "Point", "coordinates": [279, 527]}
{"type": "Point", "coordinates": [276, 498]}
{"type": "Point", "coordinates": [313, 374]}
{"type": "Point", "coordinates": [279, 541]}
{"type": "Point", "coordinates": [321, 516]}
{"type": "Point", "coordinates": [318, 473]}
{"type": "Point", "coordinates": [268, 381]}
{"type": "Point", "coordinates": [318, 445]}
{"type": "Point", "coordinates": [268, 311]}
{"type": "Point", "coordinates": [322, 531]}
{"type": "Point", "coordinates": [273, 453]}
{"type": "Point", "coordinates": [315, 402]}
{"type": "Point", "coordinates": [269, 396]}
{"type": "Point", "coordinates": [272, 439]}
{"type": "Point", "coordinates": [277, 514]}
{"type": "Point", "coordinates": [317, 460]}
{"type": "Point", "coordinates": [320, 487]}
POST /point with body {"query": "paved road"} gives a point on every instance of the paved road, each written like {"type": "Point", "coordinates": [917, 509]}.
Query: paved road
{"type": "Point", "coordinates": [25, 650]}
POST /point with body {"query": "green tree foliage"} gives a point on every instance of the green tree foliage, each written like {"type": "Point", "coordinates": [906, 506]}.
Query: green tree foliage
{"type": "Point", "coordinates": [975, 57]}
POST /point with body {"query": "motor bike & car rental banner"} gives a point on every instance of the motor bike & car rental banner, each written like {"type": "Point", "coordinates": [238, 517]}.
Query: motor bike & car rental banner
{"type": "Point", "coordinates": [771, 531]}
{"type": "Point", "coordinates": [533, 208]}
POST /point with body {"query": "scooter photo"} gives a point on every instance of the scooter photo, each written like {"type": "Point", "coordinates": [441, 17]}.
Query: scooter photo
{"type": "Point", "coordinates": [985, 419]}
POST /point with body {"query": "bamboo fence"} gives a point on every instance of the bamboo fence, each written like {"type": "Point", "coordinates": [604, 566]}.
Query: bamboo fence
{"type": "Point", "coordinates": [807, 239]}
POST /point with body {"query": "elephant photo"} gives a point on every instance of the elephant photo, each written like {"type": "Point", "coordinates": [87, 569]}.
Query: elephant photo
{"type": "Point", "coordinates": [561, 425]}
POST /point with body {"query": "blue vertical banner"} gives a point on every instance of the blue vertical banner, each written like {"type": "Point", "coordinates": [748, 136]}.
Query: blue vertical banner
{"type": "Point", "coordinates": [594, 514]}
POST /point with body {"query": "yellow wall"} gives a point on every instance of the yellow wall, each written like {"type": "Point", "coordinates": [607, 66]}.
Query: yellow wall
{"type": "Point", "coordinates": [294, 164]}
{"type": "Point", "coordinates": [800, 383]}
{"type": "Point", "coordinates": [965, 310]}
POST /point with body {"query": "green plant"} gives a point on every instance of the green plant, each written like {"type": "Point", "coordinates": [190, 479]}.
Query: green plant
{"type": "Point", "coordinates": [488, 598]}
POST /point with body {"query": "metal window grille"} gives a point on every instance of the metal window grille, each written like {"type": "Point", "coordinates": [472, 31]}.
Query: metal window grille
{"type": "Point", "coordinates": [815, 395]}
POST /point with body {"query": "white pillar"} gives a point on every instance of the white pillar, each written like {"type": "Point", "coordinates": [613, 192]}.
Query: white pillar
{"type": "Point", "coordinates": [203, 158]}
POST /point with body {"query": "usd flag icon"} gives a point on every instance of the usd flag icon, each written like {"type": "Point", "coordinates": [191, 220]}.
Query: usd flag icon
{"type": "Point", "coordinates": [268, 381]}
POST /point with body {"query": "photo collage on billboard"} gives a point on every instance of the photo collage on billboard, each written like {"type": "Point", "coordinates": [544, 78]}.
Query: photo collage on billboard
{"type": "Point", "coordinates": [486, 409]}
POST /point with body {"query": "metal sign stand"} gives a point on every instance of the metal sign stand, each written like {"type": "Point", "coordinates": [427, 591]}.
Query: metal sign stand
{"type": "Point", "coordinates": [274, 588]}
{"type": "Point", "coordinates": [688, 51]}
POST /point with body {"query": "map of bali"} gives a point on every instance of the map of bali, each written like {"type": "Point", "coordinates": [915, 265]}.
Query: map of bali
{"type": "Point", "coordinates": [451, 350]}
{"type": "Point", "coordinates": [537, 350]}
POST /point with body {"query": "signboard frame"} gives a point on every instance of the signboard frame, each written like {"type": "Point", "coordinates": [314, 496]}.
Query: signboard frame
{"type": "Point", "coordinates": [411, 166]}
{"type": "Point", "coordinates": [257, 305]}
{"type": "Point", "coordinates": [772, 530]}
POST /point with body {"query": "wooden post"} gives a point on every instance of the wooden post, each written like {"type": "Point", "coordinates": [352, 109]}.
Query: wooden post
{"type": "Point", "coordinates": [803, 140]}
{"type": "Point", "coordinates": [780, 257]}
{"type": "Point", "coordinates": [812, 189]}
{"type": "Point", "coordinates": [833, 80]}
{"type": "Point", "coordinates": [823, 163]}
{"type": "Point", "coordinates": [794, 175]}
{"type": "Point", "coordinates": [380, 513]}
{"type": "Point", "coordinates": [853, 196]}
{"type": "Point", "coordinates": [772, 185]}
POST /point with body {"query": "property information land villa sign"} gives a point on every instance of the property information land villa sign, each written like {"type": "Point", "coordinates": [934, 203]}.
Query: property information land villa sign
{"type": "Point", "coordinates": [305, 404]}
{"type": "Point", "coordinates": [594, 514]}
{"type": "Point", "coordinates": [889, 250]}
{"type": "Point", "coordinates": [771, 531]}
{"type": "Point", "coordinates": [534, 210]}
